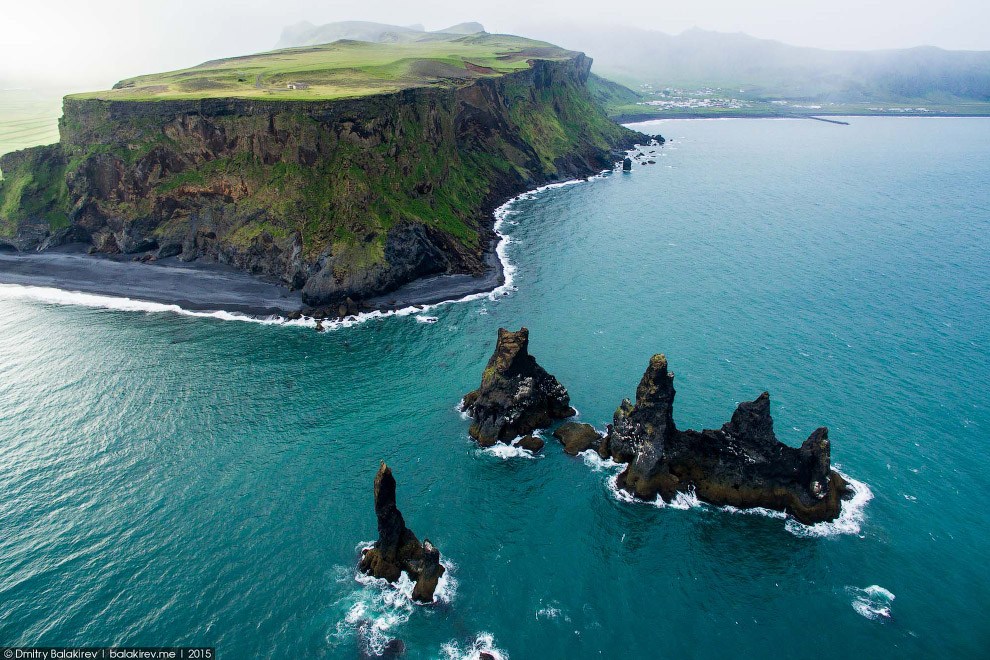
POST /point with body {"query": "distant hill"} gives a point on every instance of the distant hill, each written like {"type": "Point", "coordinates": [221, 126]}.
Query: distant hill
{"type": "Point", "coordinates": [307, 34]}
{"type": "Point", "coordinates": [761, 67]}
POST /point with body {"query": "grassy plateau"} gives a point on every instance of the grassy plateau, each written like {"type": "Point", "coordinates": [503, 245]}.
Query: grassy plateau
{"type": "Point", "coordinates": [343, 69]}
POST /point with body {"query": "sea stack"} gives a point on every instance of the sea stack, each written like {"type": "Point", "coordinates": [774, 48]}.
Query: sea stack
{"type": "Point", "coordinates": [742, 464]}
{"type": "Point", "coordinates": [516, 396]}
{"type": "Point", "coordinates": [397, 548]}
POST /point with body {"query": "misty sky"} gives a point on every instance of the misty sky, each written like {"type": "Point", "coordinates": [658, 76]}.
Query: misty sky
{"type": "Point", "coordinates": [82, 43]}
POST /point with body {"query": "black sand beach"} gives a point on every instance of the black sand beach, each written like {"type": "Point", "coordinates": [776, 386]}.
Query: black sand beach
{"type": "Point", "coordinates": [194, 286]}
{"type": "Point", "coordinates": [207, 286]}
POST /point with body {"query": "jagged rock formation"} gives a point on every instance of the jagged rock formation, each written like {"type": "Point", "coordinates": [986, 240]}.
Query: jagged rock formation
{"type": "Point", "coordinates": [397, 548]}
{"type": "Point", "coordinates": [577, 438]}
{"type": "Point", "coordinates": [516, 396]}
{"type": "Point", "coordinates": [742, 464]}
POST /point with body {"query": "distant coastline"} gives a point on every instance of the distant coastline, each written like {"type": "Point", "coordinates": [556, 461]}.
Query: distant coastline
{"type": "Point", "coordinates": [626, 119]}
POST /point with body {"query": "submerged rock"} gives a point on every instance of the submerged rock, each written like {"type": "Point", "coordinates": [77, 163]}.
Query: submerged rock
{"type": "Point", "coordinates": [742, 464]}
{"type": "Point", "coordinates": [397, 548]}
{"type": "Point", "coordinates": [531, 443]}
{"type": "Point", "coordinates": [577, 438]}
{"type": "Point", "coordinates": [516, 396]}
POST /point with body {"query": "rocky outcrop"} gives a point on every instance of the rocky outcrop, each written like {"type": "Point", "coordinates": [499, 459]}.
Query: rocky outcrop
{"type": "Point", "coordinates": [397, 548]}
{"type": "Point", "coordinates": [346, 198]}
{"type": "Point", "coordinates": [577, 438]}
{"type": "Point", "coordinates": [742, 464]}
{"type": "Point", "coordinates": [531, 443]}
{"type": "Point", "coordinates": [516, 396]}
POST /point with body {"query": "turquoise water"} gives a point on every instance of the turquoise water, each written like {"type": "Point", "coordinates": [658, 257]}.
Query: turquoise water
{"type": "Point", "coordinates": [175, 480]}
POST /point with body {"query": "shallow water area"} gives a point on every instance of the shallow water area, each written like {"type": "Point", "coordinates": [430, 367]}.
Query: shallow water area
{"type": "Point", "coordinates": [174, 479]}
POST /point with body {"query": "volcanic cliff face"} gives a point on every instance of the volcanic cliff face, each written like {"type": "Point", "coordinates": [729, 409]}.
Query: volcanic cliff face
{"type": "Point", "coordinates": [742, 464]}
{"type": "Point", "coordinates": [342, 198]}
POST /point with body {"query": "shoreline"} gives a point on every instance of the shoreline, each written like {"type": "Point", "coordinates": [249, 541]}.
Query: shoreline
{"type": "Point", "coordinates": [69, 275]}
{"type": "Point", "coordinates": [625, 120]}
{"type": "Point", "coordinates": [193, 286]}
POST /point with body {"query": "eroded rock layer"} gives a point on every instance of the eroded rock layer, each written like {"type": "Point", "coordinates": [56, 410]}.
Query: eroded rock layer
{"type": "Point", "coordinates": [342, 198]}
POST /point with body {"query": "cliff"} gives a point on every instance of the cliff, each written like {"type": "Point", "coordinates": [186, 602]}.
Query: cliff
{"type": "Point", "coordinates": [339, 197]}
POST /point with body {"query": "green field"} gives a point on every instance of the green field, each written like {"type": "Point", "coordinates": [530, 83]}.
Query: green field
{"type": "Point", "coordinates": [341, 69]}
{"type": "Point", "coordinates": [28, 118]}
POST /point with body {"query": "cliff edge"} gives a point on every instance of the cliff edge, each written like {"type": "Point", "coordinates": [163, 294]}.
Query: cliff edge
{"type": "Point", "coordinates": [376, 170]}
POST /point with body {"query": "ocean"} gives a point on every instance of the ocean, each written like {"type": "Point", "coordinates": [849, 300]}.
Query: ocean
{"type": "Point", "coordinates": [176, 479]}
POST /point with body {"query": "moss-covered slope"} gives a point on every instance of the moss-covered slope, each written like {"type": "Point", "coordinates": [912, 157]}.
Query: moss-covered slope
{"type": "Point", "coordinates": [339, 197]}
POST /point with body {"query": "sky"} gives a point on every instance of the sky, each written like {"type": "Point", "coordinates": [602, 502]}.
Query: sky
{"type": "Point", "coordinates": [79, 44]}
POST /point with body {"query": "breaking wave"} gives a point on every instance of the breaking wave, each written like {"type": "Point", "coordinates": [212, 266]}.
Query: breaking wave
{"type": "Point", "coordinates": [376, 610]}
{"type": "Point", "coordinates": [483, 643]}
{"type": "Point", "coordinates": [505, 452]}
{"type": "Point", "coordinates": [874, 602]}
{"type": "Point", "coordinates": [850, 519]}
{"type": "Point", "coordinates": [851, 516]}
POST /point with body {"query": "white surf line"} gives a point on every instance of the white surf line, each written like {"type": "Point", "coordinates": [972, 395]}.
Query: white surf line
{"type": "Point", "coordinates": [852, 511]}
{"type": "Point", "coordinates": [54, 296]}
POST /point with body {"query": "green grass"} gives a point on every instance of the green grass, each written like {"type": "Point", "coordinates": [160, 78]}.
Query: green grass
{"type": "Point", "coordinates": [35, 192]}
{"type": "Point", "coordinates": [28, 118]}
{"type": "Point", "coordinates": [342, 69]}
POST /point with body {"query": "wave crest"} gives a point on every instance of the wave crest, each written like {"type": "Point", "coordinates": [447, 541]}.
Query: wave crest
{"type": "Point", "coordinates": [483, 643]}
{"type": "Point", "coordinates": [376, 610]}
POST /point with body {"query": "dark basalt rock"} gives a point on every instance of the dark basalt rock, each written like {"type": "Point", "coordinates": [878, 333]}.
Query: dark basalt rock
{"type": "Point", "coordinates": [742, 464]}
{"type": "Point", "coordinates": [627, 164]}
{"type": "Point", "coordinates": [531, 443]}
{"type": "Point", "coordinates": [397, 548]}
{"type": "Point", "coordinates": [577, 438]}
{"type": "Point", "coordinates": [430, 572]}
{"type": "Point", "coordinates": [516, 396]}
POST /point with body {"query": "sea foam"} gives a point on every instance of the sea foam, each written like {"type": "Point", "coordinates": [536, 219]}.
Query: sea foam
{"type": "Point", "coordinates": [873, 602]}
{"type": "Point", "coordinates": [483, 643]}
{"type": "Point", "coordinates": [379, 607]}
{"type": "Point", "coordinates": [851, 516]}
{"type": "Point", "coordinates": [507, 451]}
{"type": "Point", "coordinates": [850, 520]}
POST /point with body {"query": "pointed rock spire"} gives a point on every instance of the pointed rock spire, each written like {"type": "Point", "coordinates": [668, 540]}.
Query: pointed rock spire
{"type": "Point", "coordinates": [516, 396]}
{"type": "Point", "coordinates": [742, 464]}
{"type": "Point", "coordinates": [397, 548]}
